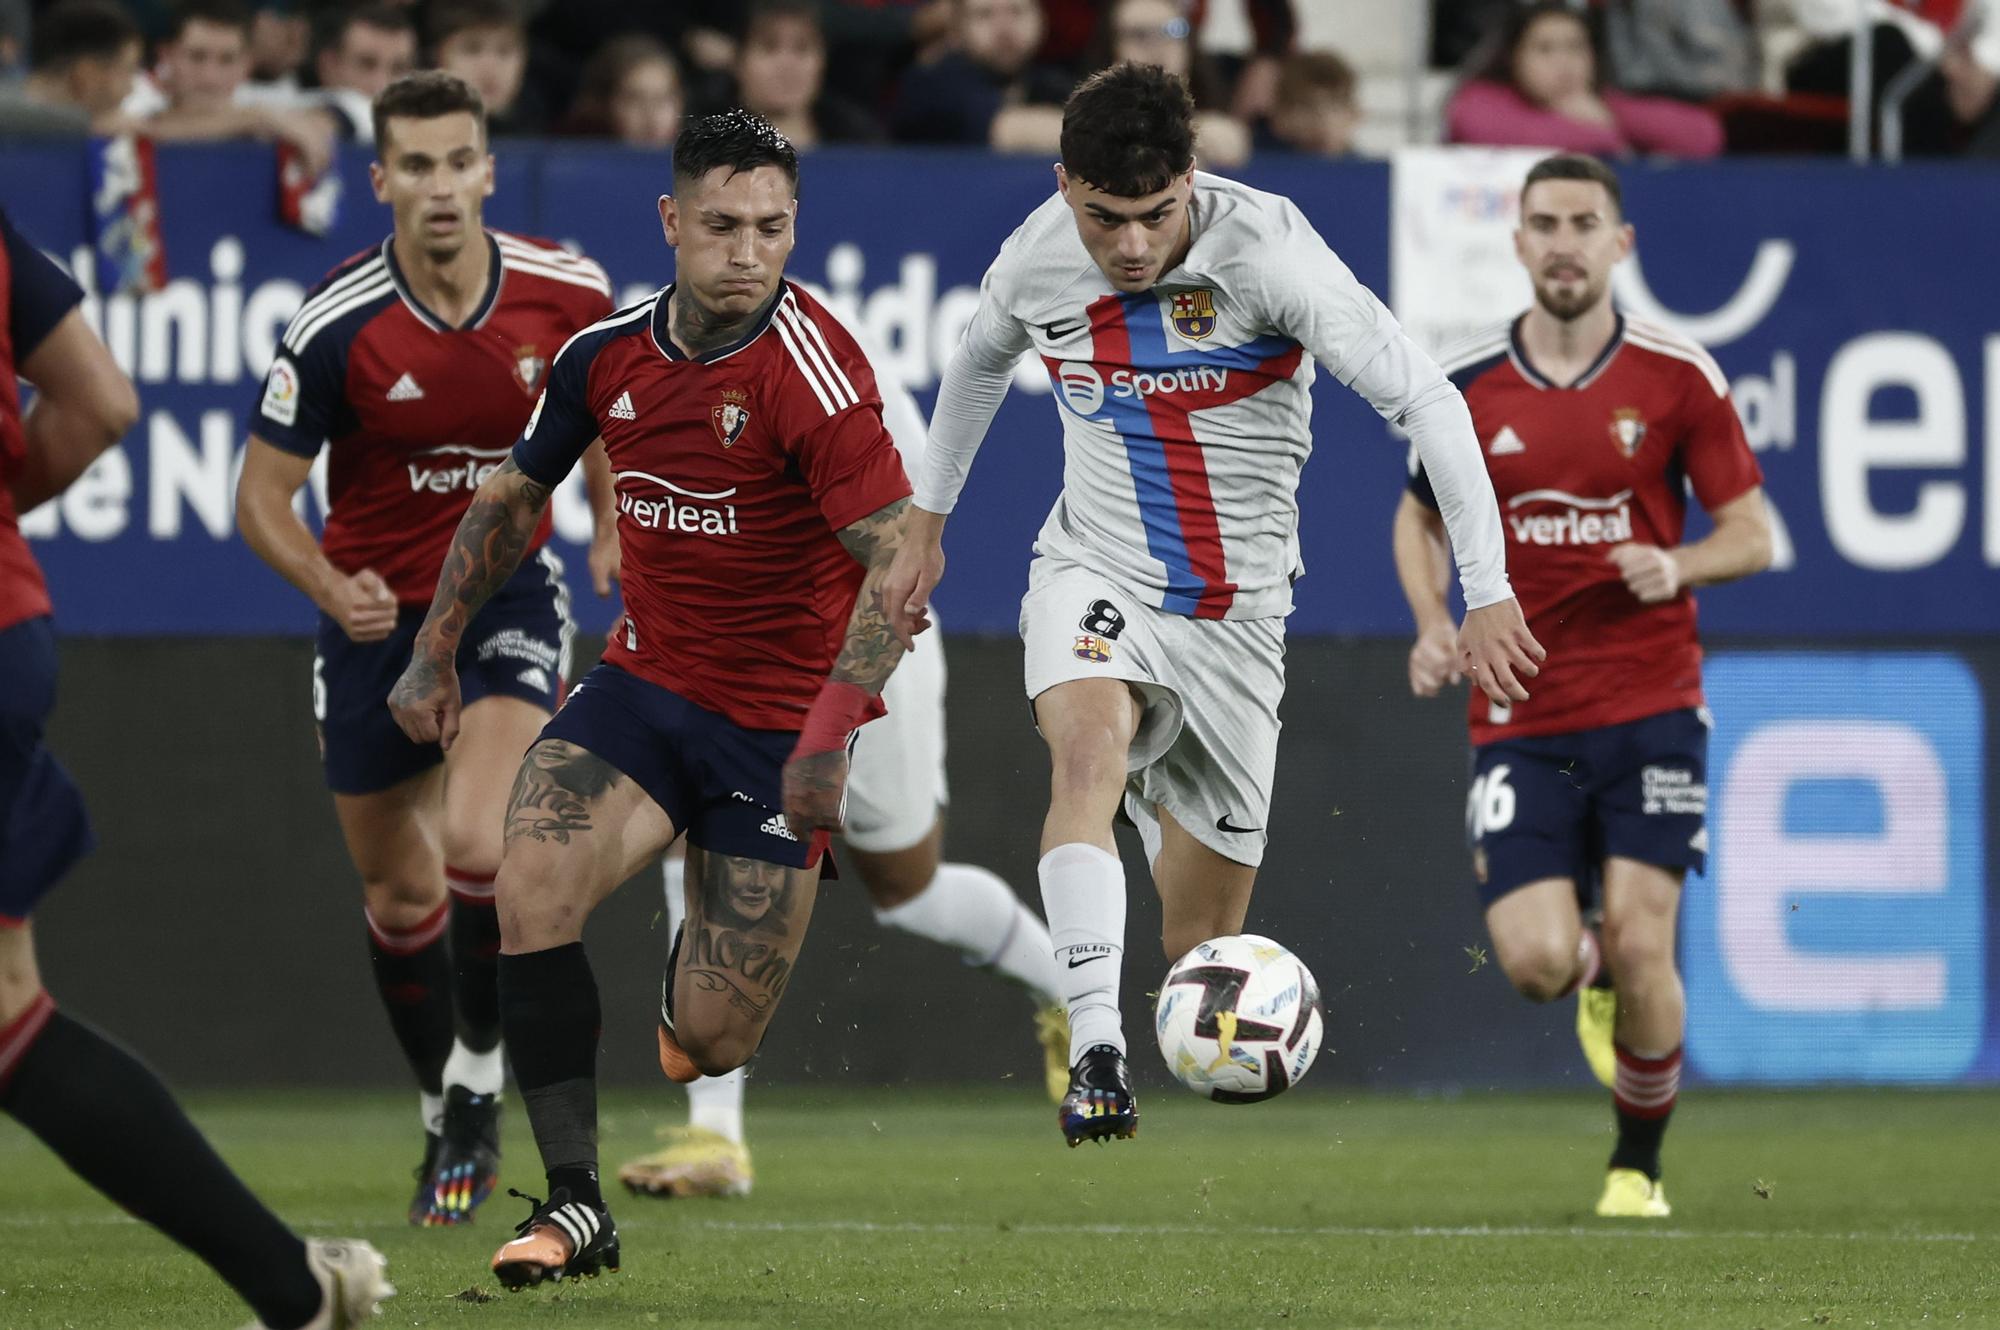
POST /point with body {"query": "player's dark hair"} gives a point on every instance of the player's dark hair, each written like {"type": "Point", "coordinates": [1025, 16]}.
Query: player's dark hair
{"type": "Point", "coordinates": [1128, 130]}
{"type": "Point", "coordinates": [331, 31]}
{"type": "Point", "coordinates": [221, 13]}
{"type": "Point", "coordinates": [426, 95]}
{"type": "Point", "coordinates": [452, 17]}
{"type": "Point", "coordinates": [1575, 166]}
{"type": "Point", "coordinates": [81, 30]}
{"type": "Point", "coordinates": [736, 140]}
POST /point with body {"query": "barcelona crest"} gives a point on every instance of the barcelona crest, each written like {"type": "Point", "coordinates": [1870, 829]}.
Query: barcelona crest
{"type": "Point", "coordinates": [528, 365]}
{"type": "Point", "coordinates": [732, 417]}
{"type": "Point", "coordinates": [1093, 649]}
{"type": "Point", "coordinates": [1194, 314]}
{"type": "Point", "coordinates": [1628, 429]}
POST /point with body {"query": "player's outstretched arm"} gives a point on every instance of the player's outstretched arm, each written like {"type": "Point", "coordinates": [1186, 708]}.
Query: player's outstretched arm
{"type": "Point", "coordinates": [485, 551]}
{"type": "Point", "coordinates": [83, 405]}
{"type": "Point", "coordinates": [918, 568]}
{"type": "Point", "coordinates": [1423, 567]}
{"type": "Point", "coordinates": [815, 777]}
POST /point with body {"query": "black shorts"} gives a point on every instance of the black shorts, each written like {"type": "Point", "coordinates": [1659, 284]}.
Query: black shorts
{"type": "Point", "coordinates": [44, 829]}
{"type": "Point", "coordinates": [714, 779]}
{"type": "Point", "coordinates": [516, 646]}
{"type": "Point", "coordinates": [1558, 805]}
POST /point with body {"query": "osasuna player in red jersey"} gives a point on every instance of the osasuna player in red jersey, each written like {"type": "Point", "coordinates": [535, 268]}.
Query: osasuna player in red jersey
{"type": "Point", "coordinates": [416, 364]}
{"type": "Point", "coordinates": [98, 1107]}
{"type": "Point", "coordinates": [1595, 426]}
{"type": "Point", "coordinates": [760, 502]}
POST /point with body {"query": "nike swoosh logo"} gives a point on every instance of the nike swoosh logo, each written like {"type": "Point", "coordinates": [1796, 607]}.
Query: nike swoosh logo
{"type": "Point", "coordinates": [1223, 824]}
{"type": "Point", "coordinates": [1086, 960]}
{"type": "Point", "coordinates": [1058, 330]}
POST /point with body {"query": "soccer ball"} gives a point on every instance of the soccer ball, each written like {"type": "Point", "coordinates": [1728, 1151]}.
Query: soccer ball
{"type": "Point", "coordinates": [1238, 1019]}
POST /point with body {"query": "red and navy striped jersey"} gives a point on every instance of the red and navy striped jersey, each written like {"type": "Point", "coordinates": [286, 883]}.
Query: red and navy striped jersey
{"type": "Point", "coordinates": [1577, 469]}
{"type": "Point", "coordinates": [415, 413]}
{"type": "Point", "coordinates": [734, 471]}
{"type": "Point", "coordinates": [35, 294]}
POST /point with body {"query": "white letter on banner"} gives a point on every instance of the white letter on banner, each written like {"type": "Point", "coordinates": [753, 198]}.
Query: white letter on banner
{"type": "Point", "coordinates": [1993, 452]}
{"type": "Point", "coordinates": [1852, 444]}
{"type": "Point", "coordinates": [1762, 867]}
{"type": "Point", "coordinates": [177, 474]}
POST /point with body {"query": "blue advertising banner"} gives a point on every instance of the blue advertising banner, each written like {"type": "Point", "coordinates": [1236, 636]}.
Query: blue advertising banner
{"type": "Point", "coordinates": [1850, 308]}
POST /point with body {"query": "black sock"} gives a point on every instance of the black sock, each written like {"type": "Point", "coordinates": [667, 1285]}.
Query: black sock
{"type": "Point", "coordinates": [413, 975]}
{"type": "Point", "coordinates": [475, 959]}
{"type": "Point", "coordinates": [1639, 1143]}
{"type": "Point", "coordinates": [109, 1118]}
{"type": "Point", "coordinates": [550, 1018]}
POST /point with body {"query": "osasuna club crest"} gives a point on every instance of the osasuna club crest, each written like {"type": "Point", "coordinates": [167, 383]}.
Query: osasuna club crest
{"type": "Point", "coordinates": [1628, 429]}
{"type": "Point", "coordinates": [529, 364]}
{"type": "Point", "coordinates": [732, 417]}
{"type": "Point", "coordinates": [1194, 314]}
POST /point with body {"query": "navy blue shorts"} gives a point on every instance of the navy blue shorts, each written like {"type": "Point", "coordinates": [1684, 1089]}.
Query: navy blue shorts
{"type": "Point", "coordinates": [44, 829]}
{"type": "Point", "coordinates": [517, 646]}
{"type": "Point", "coordinates": [1560, 804]}
{"type": "Point", "coordinates": [716, 781]}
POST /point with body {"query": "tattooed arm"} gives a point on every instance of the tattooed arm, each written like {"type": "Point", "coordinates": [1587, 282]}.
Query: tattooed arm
{"type": "Point", "coordinates": [484, 553]}
{"type": "Point", "coordinates": [815, 779]}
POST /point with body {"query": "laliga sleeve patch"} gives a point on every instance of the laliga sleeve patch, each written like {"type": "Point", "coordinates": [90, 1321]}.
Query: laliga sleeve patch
{"type": "Point", "coordinates": [281, 393]}
{"type": "Point", "coordinates": [535, 416]}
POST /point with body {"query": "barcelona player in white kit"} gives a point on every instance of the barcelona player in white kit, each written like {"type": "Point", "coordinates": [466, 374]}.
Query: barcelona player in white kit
{"type": "Point", "coordinates": [1179, 315]}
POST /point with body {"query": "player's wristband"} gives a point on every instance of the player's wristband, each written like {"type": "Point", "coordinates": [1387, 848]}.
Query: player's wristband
{"type": "Point", "coordinates": [840, 709]}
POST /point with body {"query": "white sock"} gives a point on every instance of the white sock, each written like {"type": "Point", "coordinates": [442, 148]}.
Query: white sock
{"type": "Point", "coordinates": [968, 908]}
{"type": "Point", "coordinates": [481, 1073]}
{"type": "Point", "coordinates": [1083, 894]}
{"type": "Point", "coordinates": [715, 1103]}
{"type": "Point", "coordinates": [430, 1107]}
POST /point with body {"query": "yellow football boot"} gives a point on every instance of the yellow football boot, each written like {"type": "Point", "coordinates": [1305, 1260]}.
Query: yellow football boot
{"type": "Point", "coordinates": [1596, 1018]}
{"type": "Point", "coordinates": [1052, 1029]}
{"type": "Point", "coordinates": [695, 1162]}
{"type": "Point", "coordinates": [1630, 1194]}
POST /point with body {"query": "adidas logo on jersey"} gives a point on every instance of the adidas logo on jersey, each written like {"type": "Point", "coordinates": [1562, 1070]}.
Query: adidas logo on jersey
{"type": "Point", "coordinates": [405, 390]}
{"type": "Point", "coordinates": [535, 677]}
{"type": "Point", "coordinates": [1506, 443]}
{"type": "Point", "coordinates": [774, 825]}
{"type": "Point", "coordinates": [622, 408]}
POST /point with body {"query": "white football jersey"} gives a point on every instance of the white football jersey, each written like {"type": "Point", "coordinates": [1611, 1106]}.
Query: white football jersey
{"type": "Point", "coordinates": [1186, 409]}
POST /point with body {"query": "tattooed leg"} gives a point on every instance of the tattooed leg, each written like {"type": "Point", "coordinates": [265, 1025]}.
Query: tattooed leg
{"type": "Point", "coordinates": [575, 829]}
{"type": "Point", "coordinates": [746, 923]}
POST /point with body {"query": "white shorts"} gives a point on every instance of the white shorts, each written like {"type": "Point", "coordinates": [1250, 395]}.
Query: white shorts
{"type": "Point", "coordinates": [895, 780]}
{"type": "Point", "coordinates": [1207, 745]}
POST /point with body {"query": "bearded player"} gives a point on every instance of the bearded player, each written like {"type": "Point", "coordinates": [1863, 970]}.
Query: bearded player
{"type": "Point", "coordinates": [415, 365]}
{"type": "Point", "coordinates": [1595, 426]}
{"type": "Point", "coordinates": [760, 501]}
{"type": "Point", "coordinates": [1179, 315]}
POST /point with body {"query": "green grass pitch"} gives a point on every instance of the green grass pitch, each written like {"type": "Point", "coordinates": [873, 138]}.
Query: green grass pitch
{"type": "Point", "coordinates": [904, 1208]}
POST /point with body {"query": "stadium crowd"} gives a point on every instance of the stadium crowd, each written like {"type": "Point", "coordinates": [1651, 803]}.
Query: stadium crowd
{"type": "Point", "coordinates": [1619, 78]}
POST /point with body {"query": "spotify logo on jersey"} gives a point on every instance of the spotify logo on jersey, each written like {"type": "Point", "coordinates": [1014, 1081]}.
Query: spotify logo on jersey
{"type": "Point", "coordinates": [1082, 388]}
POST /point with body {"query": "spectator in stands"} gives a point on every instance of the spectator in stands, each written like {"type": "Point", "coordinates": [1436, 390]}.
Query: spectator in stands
{"type": "Point", "coordinates": [1691, 49]}
{"type": "Point", "coordinates": [485, 42]}
{"type": "Point", "coordinates": [362, 51]}
{"type": "Point", "coordinates": [86, 55]}
{"type": "Point", "coordinates": [1157, 32]}
{"type": "Point", "coordinates": [1970, 68]}
{"type": "Point", "coordinates": [1902, 33]}
{"type": "Point", "coordinates": [1316, 111]}
{"type": "Point", "coordinates": [986, 87]}
{"type": "Point", "coordinates": [1543, 86]}
{"type": "Point", "coordinates": [199, 82]}
{"type": "Point", "coordinates": [871, 42]}
{"type": "Point", "coordinates": [280, 40]}
{"type": "Point", "coordinates": [1077, 41]}
{"type": "Point", "coordinates": [630, 91]}
{"type": "Point", "coordinates": [780, 73]}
